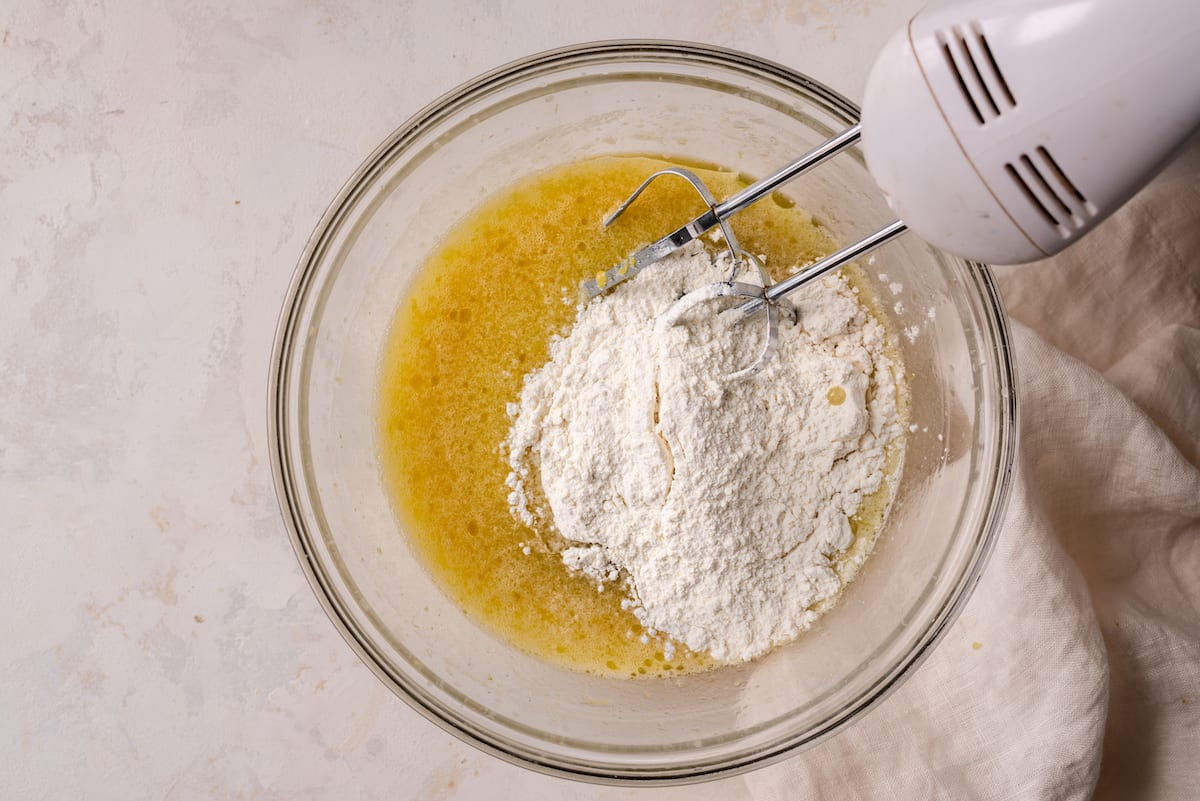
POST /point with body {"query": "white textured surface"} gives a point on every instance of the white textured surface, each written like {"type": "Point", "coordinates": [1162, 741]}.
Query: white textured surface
{"type": "Point", "coordinates": [160, 170]}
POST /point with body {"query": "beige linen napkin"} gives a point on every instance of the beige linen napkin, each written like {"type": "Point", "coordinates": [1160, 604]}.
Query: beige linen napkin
{"type": "Point", "coordinates": [1074, 671]}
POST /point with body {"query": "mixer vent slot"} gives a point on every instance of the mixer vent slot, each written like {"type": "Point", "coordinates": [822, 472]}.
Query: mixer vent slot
{"type": "Point", "coordinates": [993, 68]}
{"type": "Point", "coordinates": [1033, 199]}
{"type": "Point", "coordinates": [1065, 183]}
{"type": "Point", "coordinates": [973, 65]}
{"type": "Point", "coordinates": [1048, 189]}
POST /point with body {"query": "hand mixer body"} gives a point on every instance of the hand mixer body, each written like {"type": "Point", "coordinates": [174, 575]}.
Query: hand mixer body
{"type": "Point", "coordinates": [1004, 131]}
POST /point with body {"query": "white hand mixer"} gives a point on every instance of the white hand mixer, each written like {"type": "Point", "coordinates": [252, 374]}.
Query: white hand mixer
{"type": "Point", "coordinates": [1000, 132]}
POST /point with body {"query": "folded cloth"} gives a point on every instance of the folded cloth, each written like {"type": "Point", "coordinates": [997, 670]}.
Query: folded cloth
{"type": "Point", "coordinates": [1126, 301]}
{"type": "Point", "coordinates": [1074, 670]}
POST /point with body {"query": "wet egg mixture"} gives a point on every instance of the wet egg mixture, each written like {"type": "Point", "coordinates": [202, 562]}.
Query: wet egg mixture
{"type": "Point", "coordinates": [477, 319]}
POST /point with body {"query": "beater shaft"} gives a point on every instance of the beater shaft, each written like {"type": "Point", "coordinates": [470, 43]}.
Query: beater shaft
{"type": "Point", "coordinates": [638, 261]}
{"type": "Point", "coordinates": [824, 266]}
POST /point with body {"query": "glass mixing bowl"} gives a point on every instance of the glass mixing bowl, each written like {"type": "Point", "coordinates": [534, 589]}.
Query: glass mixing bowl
{"type": "Point", "coordinates": [676, 99]}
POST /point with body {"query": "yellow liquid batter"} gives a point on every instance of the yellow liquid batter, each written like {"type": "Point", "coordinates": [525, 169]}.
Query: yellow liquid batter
{"type": "Point", "coordinates": [479, 318]}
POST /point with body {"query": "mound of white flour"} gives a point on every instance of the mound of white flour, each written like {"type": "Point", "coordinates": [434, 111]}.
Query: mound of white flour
{"type": "Point", "coordinates": [723, 503]}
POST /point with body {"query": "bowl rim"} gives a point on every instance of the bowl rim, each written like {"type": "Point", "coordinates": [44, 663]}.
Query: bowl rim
{"type": "Point", "coordinates": [279, 417]}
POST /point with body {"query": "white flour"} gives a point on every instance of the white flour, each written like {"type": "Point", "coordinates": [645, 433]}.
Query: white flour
{"type": "Point", "coordinates": [723, 504]}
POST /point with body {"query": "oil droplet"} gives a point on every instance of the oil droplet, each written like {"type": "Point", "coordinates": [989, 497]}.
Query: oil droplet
{"type": "Point", "coordinates": [836, 396]}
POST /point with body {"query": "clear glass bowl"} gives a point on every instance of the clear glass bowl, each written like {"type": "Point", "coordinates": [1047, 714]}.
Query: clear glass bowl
{"type": "Point", "coordinates": [677, 99]}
